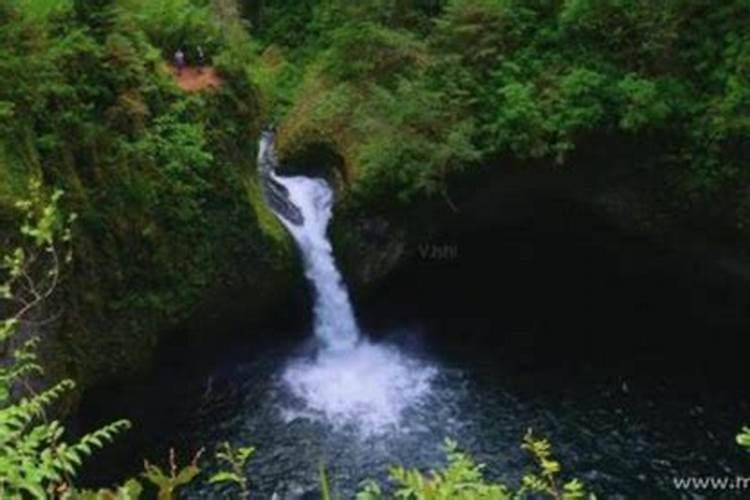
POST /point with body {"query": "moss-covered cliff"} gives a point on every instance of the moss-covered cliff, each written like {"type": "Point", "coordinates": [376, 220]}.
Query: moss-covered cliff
{"type": "Point", "coordinates": [170, 220]}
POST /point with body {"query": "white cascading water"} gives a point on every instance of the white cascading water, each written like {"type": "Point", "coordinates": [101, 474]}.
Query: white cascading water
{"type": "Point", "coordinates": [335, 324]}
{"type": "Point", "coordinates": [350, 380]}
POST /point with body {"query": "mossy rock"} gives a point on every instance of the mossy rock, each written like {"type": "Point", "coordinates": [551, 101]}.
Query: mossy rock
{"type": "Point", "coordinates": [269, 225]}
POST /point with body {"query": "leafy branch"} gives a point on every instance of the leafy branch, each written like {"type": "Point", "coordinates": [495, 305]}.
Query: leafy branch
{"type": "Point", "coordinates": [169, 482]}
{"type": "Point", "coordinates": [237, 460]}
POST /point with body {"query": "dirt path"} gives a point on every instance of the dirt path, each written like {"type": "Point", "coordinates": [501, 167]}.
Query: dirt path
{"type": "Point", "coordinates": [193, 79]}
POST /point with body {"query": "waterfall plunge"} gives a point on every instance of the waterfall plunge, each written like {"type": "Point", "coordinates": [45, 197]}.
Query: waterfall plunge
{"type": "Point", "coordinates": [335, 324]}
{"type": "Point", "coordinates": [350, 380]}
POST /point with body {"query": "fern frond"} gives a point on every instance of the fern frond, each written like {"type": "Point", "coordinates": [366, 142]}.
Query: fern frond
{"type": "Point", "coordinates": [99, 438]}
{"type": "Point", "coordinates": [29, 408]}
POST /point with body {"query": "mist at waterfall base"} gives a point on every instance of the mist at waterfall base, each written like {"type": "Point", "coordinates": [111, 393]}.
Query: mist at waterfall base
{"type": "Point", "coordinates": [534, 324]}
{"type": "Point", "coordinates": [349, 381]}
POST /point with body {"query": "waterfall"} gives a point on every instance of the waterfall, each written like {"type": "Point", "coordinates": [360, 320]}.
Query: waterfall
{"type": "Point", "coordinates": [335, 325]}
{"type": "Point", "coordinates": [350, 379]}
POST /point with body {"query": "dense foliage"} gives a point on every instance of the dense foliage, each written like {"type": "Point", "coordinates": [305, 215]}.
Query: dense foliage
{"type": "Point", "coordinates": [158, 176]}
{"type": "Point", "coordinates": [410, 91]}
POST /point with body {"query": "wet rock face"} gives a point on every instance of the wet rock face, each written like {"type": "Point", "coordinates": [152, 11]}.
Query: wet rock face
{"type": "Point", "coordinates": [278, 197]}
{"type": "Point", "coordinates": [276, 194]}
{"type": "Point", "coordinates": [373, 247]}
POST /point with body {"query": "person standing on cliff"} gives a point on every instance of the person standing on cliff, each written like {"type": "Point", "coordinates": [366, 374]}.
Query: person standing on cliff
{"type": "Point", "coordinates": [179, 60]}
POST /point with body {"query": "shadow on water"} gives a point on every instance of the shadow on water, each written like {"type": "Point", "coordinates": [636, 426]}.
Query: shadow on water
{"type": "Point", "coordinates": [625, 354]}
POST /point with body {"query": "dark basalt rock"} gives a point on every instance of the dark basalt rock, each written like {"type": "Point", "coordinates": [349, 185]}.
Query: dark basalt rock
{"type": "Point", "coordinates": [277, 196]}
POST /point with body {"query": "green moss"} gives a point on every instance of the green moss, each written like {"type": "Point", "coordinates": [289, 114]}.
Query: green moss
{"type": "Point", "coordinates": [269, 225]}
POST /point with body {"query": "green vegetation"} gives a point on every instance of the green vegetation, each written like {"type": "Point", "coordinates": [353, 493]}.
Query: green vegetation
{"type": "Point", "coordinates": [168, 483]}
{"type": "Point", "coordinates": [462, 479]}
{"type": "Point", "coordinates": [236, 460]}
{"type": "Point", "coordinates": [156, 175]}
{"type": "Point", "coordinates": [410, 92]}
{"type": "Point", "coordinates": [35, 462]}
{"type": "Point", "coordinates": [412, 95]}
{"type": "Point", "coordinates": [743, 438]}
{"type": "Point", "coordinates": [189, 23]}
